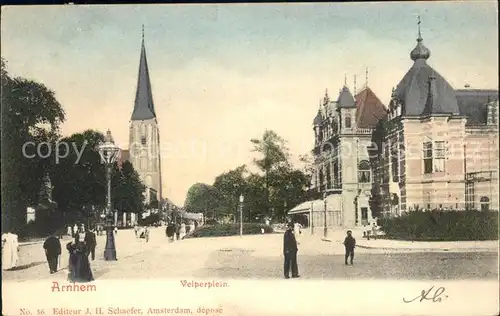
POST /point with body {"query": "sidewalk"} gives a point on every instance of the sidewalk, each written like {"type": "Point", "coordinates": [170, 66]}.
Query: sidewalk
{"type": "Point", "coordinates": [454, 246]}
{"type": "Point", "coordinates": [337, 236]}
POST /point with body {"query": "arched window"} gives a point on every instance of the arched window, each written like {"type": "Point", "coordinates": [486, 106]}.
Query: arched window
{"type": "Point", "coordinates": [364, 172]}
{"type": "Point", "coordinates": [347, 121]}
{"type": "Point", "coordinates": [485, 203]}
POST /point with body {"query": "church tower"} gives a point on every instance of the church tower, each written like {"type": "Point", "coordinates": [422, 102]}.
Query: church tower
{"type": "Point", "coordinates": [144, 137]}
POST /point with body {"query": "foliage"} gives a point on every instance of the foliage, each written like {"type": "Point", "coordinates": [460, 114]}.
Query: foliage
{"type": "Point", "coordinates": [128, 190]}
{"type": "Point", "coordinates": [270, 193]}
{"type": "Point", "coordinates": [80, 184]}
{"type": "Point", "coordinates": [150, 220]}
{"type": "Point", "coordinates": [203, 198]}
{"type": "Point", "coordinates": [274, 156]}
{"type": "Point", "coordinates": [30, 112]}
{"type": "Point", "coordinates": [442, 225]}
{"type": "Point", "coordinates": [229, 230]}
{"type": "Point", "coordinates": [230, 185]}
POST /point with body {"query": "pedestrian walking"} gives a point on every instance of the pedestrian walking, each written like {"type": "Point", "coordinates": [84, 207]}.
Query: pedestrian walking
{"type": "Point", "coordinates": [75, 230]}
{"type": "Point", "coordinates": [52, 247]}
{"type": "Point", "coordinates": [350, 244]}
{"type": "Point", "coordinates": [290, 253]}
{"type": "Point", "coordinates": [116, 230]}
{"type": "Point", "coordinates": [10, 251]}
{"type": "Point", "coordinates": [170, 231]}
{"type": "Point", "coordinates": [374, 231]}
{"type": "Point", "coordinates": [177, 231]}
{"type": "Point", "coordinates": [91, 242]}
{"type": "Point", "coordinates": [182, 231]}
{"type": "Point", "coordinates": [69, 231]}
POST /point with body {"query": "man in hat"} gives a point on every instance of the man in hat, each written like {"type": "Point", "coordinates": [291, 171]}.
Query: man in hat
{"type": "Point", "coordinates": [290, 252]}
{"type": "Point", "coordinates": [349, 244]}
{"type": "Point", "coordinates": [52, 246]}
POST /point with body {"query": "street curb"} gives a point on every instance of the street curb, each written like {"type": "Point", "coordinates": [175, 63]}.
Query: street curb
{"type": "Point", "coordinates": [431, 249]}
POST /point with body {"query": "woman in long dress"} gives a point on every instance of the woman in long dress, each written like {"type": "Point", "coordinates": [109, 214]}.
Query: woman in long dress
{"type": "Point", "coordinates": [10, 248]}
{"type": "Point", "coordinates": [79, 264]}
{"type": "Point", "coordinates": [182, 231]}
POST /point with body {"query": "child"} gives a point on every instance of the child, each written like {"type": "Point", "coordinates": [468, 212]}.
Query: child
{"type": "Point", "coordinates": [349, 244]}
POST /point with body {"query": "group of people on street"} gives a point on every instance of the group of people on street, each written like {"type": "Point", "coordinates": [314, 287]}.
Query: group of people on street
{"type": "Point", "coordinates": [176, 231]}
{"type": "Point", "coordinates": [10, 249]}
{"type": "Point", "coordinates": [80, 248]}
{"type": "Point", "coordinates": [290, 249]}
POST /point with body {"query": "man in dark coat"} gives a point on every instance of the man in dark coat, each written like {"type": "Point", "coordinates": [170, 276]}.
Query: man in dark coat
{"type": "Point", "coordinates": [177, 231]}
{"type": "Point", "coordinates": [349, 244]}
{"type": "Point", "coordinates": [290, 253]}
{"type": "Point", "coordinates": [91, 242]}
{"type": "Point", "coordinates": [170, 231]}
{"type": "Point", "coordinates": [52, 246]}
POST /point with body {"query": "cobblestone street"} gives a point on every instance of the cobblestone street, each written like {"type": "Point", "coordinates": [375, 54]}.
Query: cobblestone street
{"type": "Point", "coordinates": [256, 257]}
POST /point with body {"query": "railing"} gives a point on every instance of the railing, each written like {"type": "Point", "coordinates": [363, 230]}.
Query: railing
{"type": "Point", "coordinates": [481, 176]}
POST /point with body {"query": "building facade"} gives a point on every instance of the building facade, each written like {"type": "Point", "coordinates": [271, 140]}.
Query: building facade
{"type": "Point", "coordinates": [438, 147]}
{"type": "Point", "coordinates": [144, 137]}
{"type": "Point", "coordinates": [342, 168]}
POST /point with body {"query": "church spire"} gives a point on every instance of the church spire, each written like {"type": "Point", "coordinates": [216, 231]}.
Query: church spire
{"type": "Point", "coordinates": [144, 106]}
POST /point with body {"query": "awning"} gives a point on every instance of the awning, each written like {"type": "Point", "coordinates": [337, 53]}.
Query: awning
{"type": "Point", "coordinates": [333, 203]}
{"type": "Point", "coordinates": [192, 216]}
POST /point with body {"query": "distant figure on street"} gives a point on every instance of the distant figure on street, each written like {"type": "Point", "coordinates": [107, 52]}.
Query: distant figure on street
{"type": "Point", "coordinates": [52, 246]}
{"type": "Point", "coordinates": [349, 244]}
{"type": "Point", "coordinates": [182, 231]}
{"type": "Point", "coordinates": [192, 226]}
{"type": "Point", "coordinates": [177, 231]}
{"type": "Point", "coordinates": [75, 230]}
{"type": "Point", "coordinates": [170, 231]}
{"type": "Point", "coordinates": [116, 230]}
{"type": "Point", "coordinates": [10, 249]}
{"type": "Point", "coordinates": [374, 230]}
{"type": "Point", "coordinates": [69, 231]}
{"type": "Point", "coordinates": [91, 243]}
{"type": "Point", "coordinates": [136, 230]}
{"type": "Point", "coordinates": [188, 229]}
{"type": "Point", "coordinates": [290, 253]}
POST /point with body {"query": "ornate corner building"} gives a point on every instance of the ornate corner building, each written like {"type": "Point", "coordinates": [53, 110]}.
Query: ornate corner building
{"type": "Point", "coordinates": [439, 148]}
{"type": "Point", "coordinates": [343, 131]}
{"type": "Point", "coordinates": [433, 147]}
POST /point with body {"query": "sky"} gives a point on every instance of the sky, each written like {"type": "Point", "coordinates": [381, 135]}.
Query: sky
{"type": "Point", "coordinates": [223, 74]}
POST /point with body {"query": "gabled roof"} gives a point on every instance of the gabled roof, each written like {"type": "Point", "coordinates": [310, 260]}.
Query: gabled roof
{"type": "Point", "coordinates": [345, 100]}
{"type": "Point", "coordinates": [144, 107]}
{"type": "Point", "coordinates": [369, 109]}
{"type": "Point", "coordinates": [473, 103]}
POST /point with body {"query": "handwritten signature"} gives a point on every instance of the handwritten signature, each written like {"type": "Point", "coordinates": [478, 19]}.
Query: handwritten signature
{"type": "Point", "coordinates": [429, 295]}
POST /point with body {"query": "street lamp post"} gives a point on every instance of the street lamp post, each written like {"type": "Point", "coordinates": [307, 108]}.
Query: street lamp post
{"type": "Point", "coordinates": [109, 152]}
{"type": "Point", "coordinates": [242, 198]}
{"type": "Point", "coordinates": [325, 231]}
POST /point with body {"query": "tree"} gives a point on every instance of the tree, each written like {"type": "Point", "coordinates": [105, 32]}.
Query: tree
{"type": "Point", "coordinates": [274, 155]}
{"type": "Point", "coordinates": [80, 182]}
{"type": "Point", "coordinates": [203, 198]}
{"type": "Point", "coordinates": [128, 193]}
{"type": "Point", "coordinates": [230, 186]}
{"type": "Point", "coordinates": [30, 112]}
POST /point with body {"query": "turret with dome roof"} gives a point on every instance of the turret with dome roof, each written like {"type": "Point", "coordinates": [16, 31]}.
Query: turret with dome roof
{"type": "Point", "coordinates": [412, 92]}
